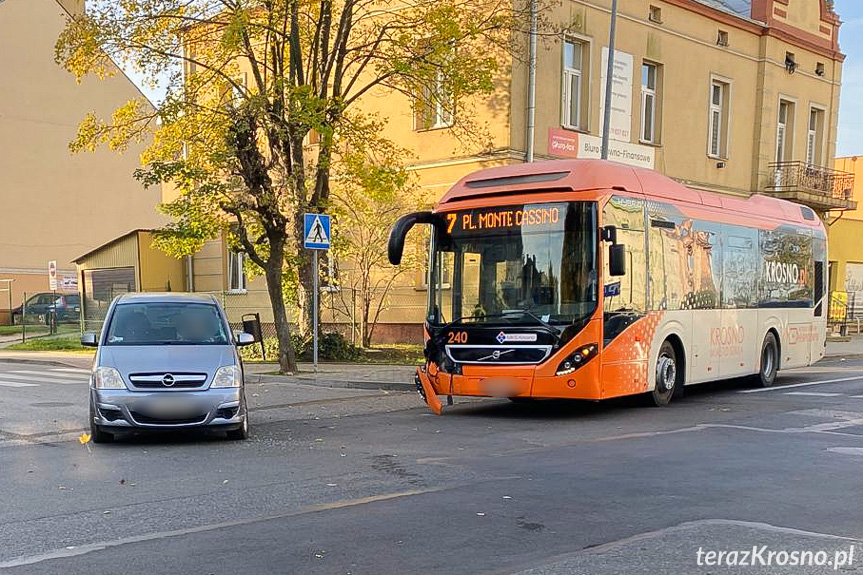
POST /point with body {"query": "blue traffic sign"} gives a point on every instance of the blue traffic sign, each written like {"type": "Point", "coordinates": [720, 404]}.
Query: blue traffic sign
{"type": "Point", "coordinates": [317, 231]}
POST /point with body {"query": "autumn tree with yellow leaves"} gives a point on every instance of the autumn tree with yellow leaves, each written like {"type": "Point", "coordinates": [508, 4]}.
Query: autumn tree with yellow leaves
{"type": "Point", "coordinates": [264, 99]}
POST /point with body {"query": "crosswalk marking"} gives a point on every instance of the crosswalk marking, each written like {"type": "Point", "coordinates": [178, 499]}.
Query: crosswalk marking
{"type": "Point", "coordinates": [32, 378]}
{"type": "Point", "coordinates": [813, 393]}
{"type": "Point", "coordinates": [17, 384]}
{"type": "Point", "coordinates": [45, 373]}
{"type": "Point", "coordinates": [72, 370]}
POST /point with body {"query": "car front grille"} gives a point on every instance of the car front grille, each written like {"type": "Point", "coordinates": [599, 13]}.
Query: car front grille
{"type": "Point", "coordinates": [168, 380]}
{"type": "Point", "coordinates": [150, 420]}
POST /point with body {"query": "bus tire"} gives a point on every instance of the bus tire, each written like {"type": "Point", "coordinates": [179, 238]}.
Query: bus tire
{"type": "Point", "coordinates": [668, 377]}
{"type": "Point", "coordinates": [768, 364]}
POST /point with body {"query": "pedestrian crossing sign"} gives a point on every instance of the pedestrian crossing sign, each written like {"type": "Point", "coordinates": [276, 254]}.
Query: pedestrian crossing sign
{"type": "Point", "coordinates": [317, 231]}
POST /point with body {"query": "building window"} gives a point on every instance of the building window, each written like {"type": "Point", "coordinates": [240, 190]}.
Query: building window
{"type": "Point", "coordinates": [814, 136]}
{"type": "Point", "coordinates": [718, 126]}
{"type": "Point", "coordinates": [650, 102]}
{"type": "Point", "coordinates": [784, 131]}
{"type": "Point", "coordinates": [722, 38]}
{"type": "Point", "coordinates": [434, 108]}
{"type": "Point", "coordinates": [574, 57]}
{"type": "Point", "coordinates": [819, 69]}
{"type": "Point", "coordinates": [655, 14]}
{"type": "Point", "coordinates": [236, 272]}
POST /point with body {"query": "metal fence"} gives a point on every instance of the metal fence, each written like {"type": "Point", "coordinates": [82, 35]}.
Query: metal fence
{"type": "Point", "coordinates": [395, 311]}
{"type": "Point", "coordinates": [44, 315]}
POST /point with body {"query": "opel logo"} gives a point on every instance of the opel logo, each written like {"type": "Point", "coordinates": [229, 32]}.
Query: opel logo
{"type": "Point", "coordinates": [168, 380]}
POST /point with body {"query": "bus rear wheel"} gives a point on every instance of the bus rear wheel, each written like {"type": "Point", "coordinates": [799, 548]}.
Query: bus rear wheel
{"type": "Point", "coordinates": [668, 378]}
{"type": "Point", "coordinates": [769, 363]}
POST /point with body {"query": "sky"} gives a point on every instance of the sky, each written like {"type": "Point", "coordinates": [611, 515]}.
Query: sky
{"type": "Point", "coordinates": [851, 98]}
{"type": "Point", "coordinates": [850, 141]}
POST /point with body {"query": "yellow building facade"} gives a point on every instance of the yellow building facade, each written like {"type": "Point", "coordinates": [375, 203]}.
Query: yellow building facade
{"type": "Point", "coordinates": [56, 205]}
{"type": "Point", "coordinates": [732, 96]}
{"type": "Point", "coordinates": [845, 245]}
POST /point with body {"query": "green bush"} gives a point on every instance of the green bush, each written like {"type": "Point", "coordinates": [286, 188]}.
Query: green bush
{"type": "Point", "coordinates": [331, 347]}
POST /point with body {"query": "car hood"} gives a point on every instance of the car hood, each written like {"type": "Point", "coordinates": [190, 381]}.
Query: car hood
{"type": "Point", "coordinates": [166, 358]}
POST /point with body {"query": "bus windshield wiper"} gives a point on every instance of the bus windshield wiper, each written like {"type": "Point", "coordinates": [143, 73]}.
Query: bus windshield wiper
{"type": "Point", "coordinates": [539, 320]}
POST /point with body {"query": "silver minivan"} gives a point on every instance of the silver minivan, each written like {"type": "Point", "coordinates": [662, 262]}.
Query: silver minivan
{"type": "Point", "coordinates": [167, 361]}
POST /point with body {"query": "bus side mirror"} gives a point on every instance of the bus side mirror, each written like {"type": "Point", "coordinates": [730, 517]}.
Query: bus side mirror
{"type": "Point", "coordinates": [396, 244]}
{"type": "Point", "coordinates": [617, 259]}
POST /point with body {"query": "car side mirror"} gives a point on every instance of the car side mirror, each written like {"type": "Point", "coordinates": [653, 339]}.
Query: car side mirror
{"type": "Point", "coordinates": [244, 339]}
{"type": "Point", "coordinates": [89, 340]}
{"type": "Point", "coordinates": [617, 259]}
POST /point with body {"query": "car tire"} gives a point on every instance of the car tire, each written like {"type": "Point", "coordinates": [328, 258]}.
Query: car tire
{"type": "Point", "coordinates": [97, 433]}
{"type": "Point", "coordinates": [768, 364]}
{"type": "Point", "coordinates": [667, 374]}
{"type": "Point", "coordinates": [241, 433]}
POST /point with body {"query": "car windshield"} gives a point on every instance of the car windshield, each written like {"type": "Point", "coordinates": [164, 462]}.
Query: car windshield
{"type": "Point", "coordinates": [532, 263]}
{"type": "Point", "coordinates": [166, 324]}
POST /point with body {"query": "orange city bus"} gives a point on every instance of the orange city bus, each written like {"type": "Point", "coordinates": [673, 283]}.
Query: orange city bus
{"type": "Point", "coordinates": [588, 279]}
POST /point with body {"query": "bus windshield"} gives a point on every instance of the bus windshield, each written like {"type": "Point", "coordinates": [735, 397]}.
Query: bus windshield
{"type": "Point", "coordinates": [530, 263]}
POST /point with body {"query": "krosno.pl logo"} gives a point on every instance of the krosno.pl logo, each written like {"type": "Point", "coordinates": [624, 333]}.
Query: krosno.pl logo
{"type": "Point", "coordinates": [784, 273]}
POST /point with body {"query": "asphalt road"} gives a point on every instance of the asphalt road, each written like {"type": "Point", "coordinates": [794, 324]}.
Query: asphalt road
{"type": "Point", "coordinates": [341, 481]}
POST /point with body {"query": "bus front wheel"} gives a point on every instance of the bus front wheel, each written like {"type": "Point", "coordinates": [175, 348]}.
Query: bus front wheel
{"type": "Point", "coordinates": [668, 376]}
{"type": "Point", "coordinates": [769, 363]}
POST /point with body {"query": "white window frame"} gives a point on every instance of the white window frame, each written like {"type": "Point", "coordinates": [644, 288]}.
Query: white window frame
{"type": "Point", "coordinates": [785, 131]}
{"type": "Point", "coordinates": [814, 140]}
{"type": "Point", "coordinates": [567, 74]}
{"type": "Point", "coordinates": [232, 270]}
{"type": "Point", "coordinates": [652, 93]}
{"type": "Point", "coordinates": [723, 110]}
{"type": "Point", "coordinates": [433, 105]}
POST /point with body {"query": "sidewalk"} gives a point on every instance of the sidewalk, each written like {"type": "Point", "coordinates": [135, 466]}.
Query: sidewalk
{"type": "Point", "coordinates": [846, 347]}
{"type": "Point", "coordinates": [358, 376]}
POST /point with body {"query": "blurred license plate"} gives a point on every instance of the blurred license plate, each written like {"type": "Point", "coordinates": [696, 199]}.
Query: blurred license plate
{"type": "Point", "coordinates": [169, 408]}
{"type": "Point", "coordinates": [499, 386]}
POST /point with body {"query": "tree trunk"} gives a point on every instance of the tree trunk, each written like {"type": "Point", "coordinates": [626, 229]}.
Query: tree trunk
{"type": "Point", "coordinates": [273, 274]}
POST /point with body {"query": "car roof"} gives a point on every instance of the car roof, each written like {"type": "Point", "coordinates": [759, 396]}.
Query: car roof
{"type": "Point", "coordinates": [167, 297]}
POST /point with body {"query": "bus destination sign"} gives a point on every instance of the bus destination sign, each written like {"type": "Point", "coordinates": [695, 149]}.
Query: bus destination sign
{"type": "Point", "coordinates": [504, 218]}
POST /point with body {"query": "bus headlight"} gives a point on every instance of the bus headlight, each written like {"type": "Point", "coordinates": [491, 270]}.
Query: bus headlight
{"type": "Point", "coordinates": [578, 358]}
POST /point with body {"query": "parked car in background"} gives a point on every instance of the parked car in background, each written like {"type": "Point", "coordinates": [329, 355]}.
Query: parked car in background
{"type": "Point", "coordinates": [40, 305]}
{"type": "Point", "coordinates": [165, 362]}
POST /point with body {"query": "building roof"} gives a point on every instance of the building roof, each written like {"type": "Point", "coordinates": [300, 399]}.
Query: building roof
{"type": "Point", "coordinates": [110, 243]}
{"type": "Point", "coordinates": [742, 8]}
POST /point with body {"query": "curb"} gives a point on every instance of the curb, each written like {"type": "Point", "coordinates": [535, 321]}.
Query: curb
{"type": "Point", "coordinates": [37, 361]}
{"type": "Point", "coordinates": [374, 385]}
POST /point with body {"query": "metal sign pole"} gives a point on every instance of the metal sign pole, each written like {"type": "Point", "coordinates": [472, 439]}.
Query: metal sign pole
{"type": "Point", "coordinates": [315, 315]}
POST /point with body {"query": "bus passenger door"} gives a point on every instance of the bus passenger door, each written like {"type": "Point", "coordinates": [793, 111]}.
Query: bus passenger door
{"type": "Point", "coordinates": [737, 341]}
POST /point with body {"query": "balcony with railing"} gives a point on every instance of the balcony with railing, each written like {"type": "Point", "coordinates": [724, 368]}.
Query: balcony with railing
{"type": "Point", "coordinates": [820, 188]}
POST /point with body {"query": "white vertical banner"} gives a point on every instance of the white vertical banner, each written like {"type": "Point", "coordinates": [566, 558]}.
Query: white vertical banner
{"type": "Point", "coordinates": [621, 95]}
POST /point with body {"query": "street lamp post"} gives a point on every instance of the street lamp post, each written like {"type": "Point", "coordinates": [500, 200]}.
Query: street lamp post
{"type": "Point", "coordinates": [609, 75]}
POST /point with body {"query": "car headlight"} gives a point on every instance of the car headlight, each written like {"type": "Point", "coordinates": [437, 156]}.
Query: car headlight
{"type": "Point", "coordinates": [228, 376]}
{"type": "Point", "coordinates": [107, 378]}
{"type": "Point", "coordinates": [578, 358]}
